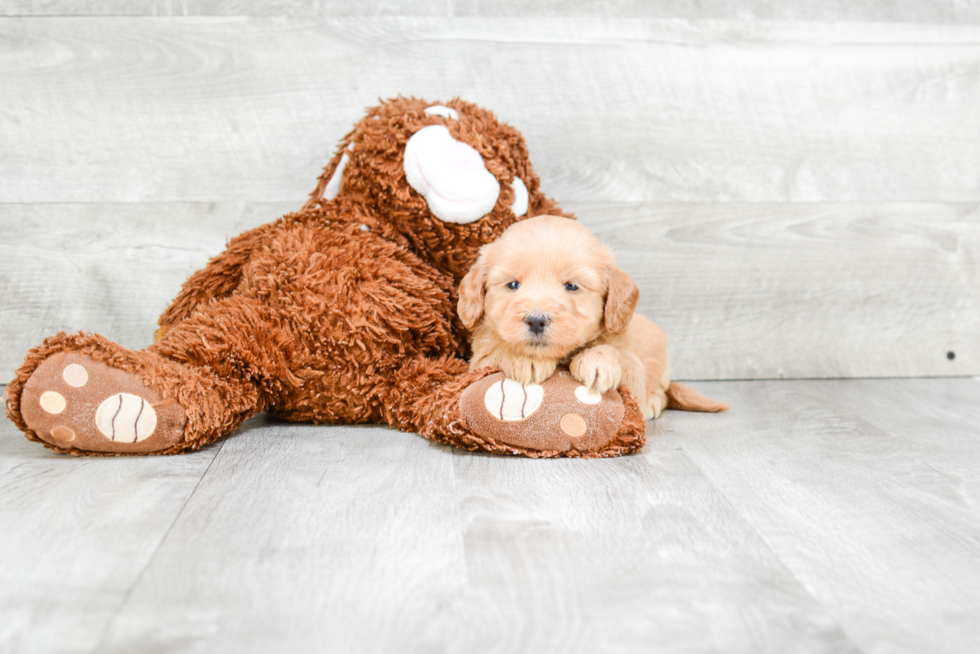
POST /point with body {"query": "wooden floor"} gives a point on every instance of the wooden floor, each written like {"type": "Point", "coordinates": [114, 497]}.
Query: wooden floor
{"type": "Point", "coordinates": [817, 516]}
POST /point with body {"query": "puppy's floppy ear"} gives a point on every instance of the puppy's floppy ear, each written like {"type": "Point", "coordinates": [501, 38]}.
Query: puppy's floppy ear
{"type": "Point", "coordinates": [470, 305]}
{"type": "Point", "coordinates": [621, 299]}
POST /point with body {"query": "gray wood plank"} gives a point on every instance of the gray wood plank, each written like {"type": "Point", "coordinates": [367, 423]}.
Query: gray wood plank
{"type": "Point", "coordinates": [76, 535]}
{"type": "Point", "coordinates": [627, 555]}
{"type": "Point", "coordinates": [249, 108]}
{"type": "Point", "coordinates": [304, 538]}
{"type": "Point", "coordinates": [371, 540]}
{"type": "Point", "coordinates": [58, 8]}
{"type": "Point", "coordinates": [816, 516]}
{"type": "Point", "coordinates": [796, 290]}
{"type": "Point", "coordinates": [867, 491]}
{"type": "Point", "coordinates": [767, 290]}
{"type": "Point", "coordinates": [863, 10]}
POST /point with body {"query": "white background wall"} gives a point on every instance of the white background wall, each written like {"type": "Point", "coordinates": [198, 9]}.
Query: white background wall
{"type": "Point", "coordinates": [795, 186]}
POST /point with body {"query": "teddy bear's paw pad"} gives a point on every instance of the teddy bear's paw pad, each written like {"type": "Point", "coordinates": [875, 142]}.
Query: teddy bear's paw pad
{"type": "Point", "coordinates": [508, 400]}
{"type": "Point", "coordinates": [76, 403]}
{"type": "Point", "coordinates": [587, 395]}
{"type": "Point", "coordinates": [126, 418]}
{"type": "Point", "coordinates": [557, 416]}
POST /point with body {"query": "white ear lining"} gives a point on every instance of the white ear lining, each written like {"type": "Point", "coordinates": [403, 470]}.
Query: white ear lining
{"type": "Point", "coordinates": [521, 197]}
{"type": "Point", "coordinates": [441, 110]}
{"type": "Point", "coordinates": [337, 179]}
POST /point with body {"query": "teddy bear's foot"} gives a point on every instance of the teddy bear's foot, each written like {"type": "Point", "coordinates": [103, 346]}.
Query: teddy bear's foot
{"type": "Point", "coordinates": [560, 417]}
{"type": "Point", "coordinates": [76, 404]}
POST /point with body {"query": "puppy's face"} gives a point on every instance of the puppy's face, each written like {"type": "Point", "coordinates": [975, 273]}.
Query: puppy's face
{"type": "Point", "coordinates": [546, 287]}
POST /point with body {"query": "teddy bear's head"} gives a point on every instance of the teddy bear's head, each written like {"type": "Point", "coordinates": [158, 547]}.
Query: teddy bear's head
{"type": "Point", "coordinates": [447, 177]}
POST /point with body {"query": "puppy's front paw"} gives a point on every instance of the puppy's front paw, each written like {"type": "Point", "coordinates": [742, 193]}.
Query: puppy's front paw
{"type": "Point", "coordinates": [599, 368]}
{"type": "Point", "coordinates": [519, 370]}
{"type": "Point", "coordinates": [542, 370]}
{"type": "Point", "coordinates": [528, 371]}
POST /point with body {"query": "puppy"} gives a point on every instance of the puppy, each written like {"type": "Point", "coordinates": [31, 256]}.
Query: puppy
{"type": "Point", "coordinates": [548, 293]}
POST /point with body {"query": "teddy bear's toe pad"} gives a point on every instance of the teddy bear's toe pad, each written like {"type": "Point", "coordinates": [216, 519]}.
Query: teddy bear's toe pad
{"type": "Point", "coordinates": [557, 416]}
{"type": "Point", "coordinates": [73, 402]}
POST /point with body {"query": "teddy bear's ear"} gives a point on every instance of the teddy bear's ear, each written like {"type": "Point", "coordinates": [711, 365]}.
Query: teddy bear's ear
{"type": "Point", "coordinates": [332, 178]}
{"type": "Point", "coordinates": [336, 180]}
{"type": "Point", "coordinates": [470, 306]}
{"type": "Point", "coordinates": [622, 296]}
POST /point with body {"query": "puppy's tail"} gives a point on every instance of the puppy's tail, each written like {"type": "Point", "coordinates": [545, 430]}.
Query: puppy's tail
{"type": "Point", "coordinates": [680, 396]}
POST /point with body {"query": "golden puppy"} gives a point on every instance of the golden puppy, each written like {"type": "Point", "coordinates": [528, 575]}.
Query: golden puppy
{"type": "Point", "coordinates": [546, 293]}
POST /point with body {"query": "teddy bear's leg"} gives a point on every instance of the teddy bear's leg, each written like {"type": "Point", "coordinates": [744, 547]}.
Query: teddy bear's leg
{"type": "Point", "coordinates": [423, 397]}
{"type": "Point", "coordinates": [560, 417]}
{"type": "Point", "coordinates": [218, 279]}
{"type": "Point", "coordinates": [443, 401]}
{"type": "Point", "coordinates": [84, 394]}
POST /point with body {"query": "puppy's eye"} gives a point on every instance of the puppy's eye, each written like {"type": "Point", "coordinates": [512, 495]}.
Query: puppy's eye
{"type": "Point", "coordinates": [570, 286]}
{"type": "Point", "coordinates": [513, 285]}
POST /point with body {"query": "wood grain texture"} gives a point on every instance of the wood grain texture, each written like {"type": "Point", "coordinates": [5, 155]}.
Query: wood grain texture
{"type": "Point", "coordinates": [82, 8]}
{"type": "Point", "coordinates": [632, 554]}
{"type": "Point", "coordinates": [371, 540]}
{"type": "Point", "coordinates": [304, 538]}
{"type": "Point", "coordinates": [768, 290]}
{"type": "Point", "coordinates": [816, 516]}
{"type": "Point", "coordinates": [75, 537]}
{"type": "Point", "coordinates": [796, 290]}
{"type": "Point", "coordinates": [867, 490]}
{"type": "Point", "coordinates": [208, 109]}
{"type": "Point", "coordinates": [855, 10]}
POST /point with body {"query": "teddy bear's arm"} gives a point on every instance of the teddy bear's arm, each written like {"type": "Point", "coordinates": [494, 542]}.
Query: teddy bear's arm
{"type": "Point", "coordinates": [440, 399]}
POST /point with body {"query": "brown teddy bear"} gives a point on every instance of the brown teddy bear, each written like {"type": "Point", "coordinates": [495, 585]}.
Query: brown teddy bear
{"type": "Point", "coordinates": [343, 312]}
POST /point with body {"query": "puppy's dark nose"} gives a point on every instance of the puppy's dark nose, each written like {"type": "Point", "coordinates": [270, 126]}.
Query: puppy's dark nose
{"type": "Point", "coordinates": [536, 322]}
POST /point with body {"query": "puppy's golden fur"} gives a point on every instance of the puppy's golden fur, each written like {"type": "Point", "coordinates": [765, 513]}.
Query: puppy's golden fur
{"type": "Point", "coordinates": [546, 293]}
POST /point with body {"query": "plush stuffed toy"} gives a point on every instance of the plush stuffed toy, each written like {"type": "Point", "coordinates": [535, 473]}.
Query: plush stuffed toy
{"type": "Point", "coordinates": [343, 312]}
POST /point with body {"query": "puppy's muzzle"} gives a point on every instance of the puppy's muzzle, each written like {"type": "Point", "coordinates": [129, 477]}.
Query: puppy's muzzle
{"type": "Point", "coordinates": [536, 322]}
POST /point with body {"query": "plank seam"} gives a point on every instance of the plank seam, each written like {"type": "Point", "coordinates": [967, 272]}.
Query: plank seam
{"type": "Point", "coordinates": [156, 550]}
{"type": "Point", "coordinates": [751, 527]}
